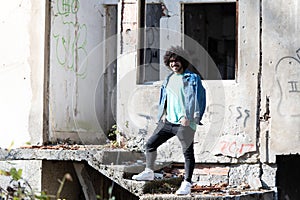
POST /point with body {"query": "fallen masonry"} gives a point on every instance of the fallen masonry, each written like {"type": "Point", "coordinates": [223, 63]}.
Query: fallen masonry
{"type": "Point", "coordinates": [119, 165]}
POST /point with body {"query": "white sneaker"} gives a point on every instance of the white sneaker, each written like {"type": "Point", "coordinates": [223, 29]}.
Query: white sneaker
{"type": "Point", "coordinates": [146, 175]}
{"type": "Point", "coordinates": [185, 188]}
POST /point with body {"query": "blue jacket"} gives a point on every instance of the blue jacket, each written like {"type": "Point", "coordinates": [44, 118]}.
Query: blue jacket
{"type": "Point", "coordinates": [195, 96]}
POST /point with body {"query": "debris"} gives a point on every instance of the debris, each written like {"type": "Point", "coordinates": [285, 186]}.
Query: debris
{"type": "Point", "coordinates": [158, 176]}
{"type": "Point", "coordinates": [234, 192]}
{"type": "Point", "coordinates": [169, 179]}
{"type": "Point", "coordinates": [206, 192]}
{"type": "Point", "coordinates": [207, 189]}
{"type": "Point", "coordinates": [244, 186]}
{"type": "Point", "coordinates": [254, 182]}
{"type": "Point", "coordinates": [203, 183]}
{"type": "Point", "coordinates": [163, 186]}
{"type": "Point", "coordinates": [59, 144]}
{"type": "Point", "coordinates": [55, 147]}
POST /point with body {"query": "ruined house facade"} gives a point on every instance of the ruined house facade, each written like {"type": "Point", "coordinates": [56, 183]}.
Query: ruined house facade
{"type": "Point", "coordinates": [72, 69]}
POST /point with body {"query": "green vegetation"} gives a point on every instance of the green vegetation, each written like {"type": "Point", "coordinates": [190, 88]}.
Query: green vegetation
{"type": "Point", "coordinates": [19, 189]}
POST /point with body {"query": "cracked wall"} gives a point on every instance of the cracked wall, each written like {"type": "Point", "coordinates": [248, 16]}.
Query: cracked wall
{"type": "Point", "coordinates": [280, 79]}
{"type": "Point", "coordinates": [229, 129]}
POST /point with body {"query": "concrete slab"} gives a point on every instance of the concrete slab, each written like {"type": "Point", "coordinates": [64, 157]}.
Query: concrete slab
{"type": "Point", "coordinates": [262, 195]}
{"type": "Point", "coordinates": [99, 154]}
{"type": "Point", "coordinates": [112, 163]}
{"type": "Point", "coordinates": [118, 165]}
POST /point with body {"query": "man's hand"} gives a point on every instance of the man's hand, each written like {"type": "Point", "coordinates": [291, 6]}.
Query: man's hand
{"type": "Point", "coordinates": [163, 118]}
{"type": "Point", "coordinates": [184, 121]}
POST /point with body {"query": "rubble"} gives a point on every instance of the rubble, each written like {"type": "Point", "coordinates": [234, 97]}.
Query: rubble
{"type": "Point", "coordinates": [55, 147]}
{"type": "Point", "coordinates": [168, 179]}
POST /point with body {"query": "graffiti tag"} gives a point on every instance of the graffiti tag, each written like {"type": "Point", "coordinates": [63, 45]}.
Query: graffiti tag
{"type": "Point", "coordinates": [71, 40]}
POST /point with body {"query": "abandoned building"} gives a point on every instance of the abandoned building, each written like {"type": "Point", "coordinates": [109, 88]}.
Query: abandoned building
{"type": "Point", "coordinates": [72, 69]}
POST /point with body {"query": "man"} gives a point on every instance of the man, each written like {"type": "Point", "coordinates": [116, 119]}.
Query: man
{"type": "Point", "coordinates": [181, 107]}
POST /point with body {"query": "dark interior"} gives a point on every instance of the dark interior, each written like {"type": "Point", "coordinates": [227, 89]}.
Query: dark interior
{"type": "Point", "coordinates": [287, 177]}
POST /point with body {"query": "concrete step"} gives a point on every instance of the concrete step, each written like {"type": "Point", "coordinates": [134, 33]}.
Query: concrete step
{"type": "Point", "coordinates": [258, 195]}
{"type": "Point", "coordinates": [143, 189]}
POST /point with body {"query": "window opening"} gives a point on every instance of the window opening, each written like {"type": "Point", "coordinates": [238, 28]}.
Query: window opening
{"type": "Point", "coordinates": [213, 26]}
{"type": "Point", "coordinates": [149, 62]}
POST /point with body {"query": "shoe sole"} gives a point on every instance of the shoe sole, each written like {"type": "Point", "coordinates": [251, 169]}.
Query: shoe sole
{"type": "Point", "coordinates": [183, 194]}
{"type": "Point", "coordinates": [137, 179]}
{"type": "Point", "coordinates": [143, 179]}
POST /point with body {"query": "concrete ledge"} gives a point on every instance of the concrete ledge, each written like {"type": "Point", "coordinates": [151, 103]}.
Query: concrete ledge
{"type": "Point", "coordinates": [118, 165]}
{"type": "Point", "coordinates": [98, 154]}
{"type": "Point", "coordinates": [260, 195]}
{"type": "Point", "coordinates": [112, 163]}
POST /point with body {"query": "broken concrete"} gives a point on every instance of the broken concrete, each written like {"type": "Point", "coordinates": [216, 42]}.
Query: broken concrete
{"type": "Point", "coordinates": [265, 195]}
{"type": "Point", "coordinates": [109, 162]}
{"type": "Point", "coordinates": [119, 165]}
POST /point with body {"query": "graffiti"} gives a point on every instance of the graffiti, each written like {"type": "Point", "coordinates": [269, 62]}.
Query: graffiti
{"type": "Point", "coordinates": [216, 113]}
{"type": "Point", "coordinates": [238, 110]}
{"type": "Point", "coordinates": [67, 7]}
{"type": "Point", "coordinates": [68, 46]}
{"type": "Point", "coordinates": [294, 87]}
{"type": "Point", "coordinates": [71, 40]}
{"type": "Point", "coordinates": [287, 74]}
{"type": "Point", "coordinates": [247, 116]}
{"type": "Point", "coordinates": [234, 145]}
{"type": "Point", "coordinates": [234, 148]}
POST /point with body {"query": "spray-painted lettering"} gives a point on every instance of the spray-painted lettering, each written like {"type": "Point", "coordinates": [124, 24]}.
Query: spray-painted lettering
{"type": "Point", "coordinates": [71, 40]}
{"type": "Point", "coordinates": [287, 73]}
{"type": "Point", "coordinates": [67, 7]}
{"type": "Point", "coordinates": [294, 87]}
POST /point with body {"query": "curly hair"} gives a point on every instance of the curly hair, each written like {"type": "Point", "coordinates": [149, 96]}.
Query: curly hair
{"type": "Point", "coordinates": [179, 53]}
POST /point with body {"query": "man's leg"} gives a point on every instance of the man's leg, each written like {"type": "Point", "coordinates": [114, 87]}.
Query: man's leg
{"type": "Point", "coordinates": [161, 134]}
{"type": "Point", "coordinates": [189, 164]}
{"type": "Point", "coordinates": [186, 138]}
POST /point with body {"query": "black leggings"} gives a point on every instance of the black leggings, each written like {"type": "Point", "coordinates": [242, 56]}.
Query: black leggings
{"type": "Point", "coordinates": [164, 132]}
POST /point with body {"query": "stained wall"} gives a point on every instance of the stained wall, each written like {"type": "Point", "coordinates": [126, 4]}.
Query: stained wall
{"type": "Point", "coordinates": [22, 71]}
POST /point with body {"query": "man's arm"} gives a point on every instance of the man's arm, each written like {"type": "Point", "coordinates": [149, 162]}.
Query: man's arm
{"type": "Point", "coordinates": [201, 99]}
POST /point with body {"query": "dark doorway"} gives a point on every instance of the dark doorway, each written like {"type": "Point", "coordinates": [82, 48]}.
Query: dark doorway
{"type": "Point", "coordinates": [213, 26]}
{"type": "Point", "coordinates": [108, 117]}
{"type": "Point", "coordinates": [288, 176]}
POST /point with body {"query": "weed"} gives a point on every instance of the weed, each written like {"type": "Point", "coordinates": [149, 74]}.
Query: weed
{"type": "Point", "coordinates": [20, 189]}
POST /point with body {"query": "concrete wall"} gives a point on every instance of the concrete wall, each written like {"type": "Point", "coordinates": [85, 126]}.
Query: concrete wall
{"type": "Point", "coordinates": [127, 62]}
{"type": "Point", "coordinates": [230, 120]}
{"type": "Point", "coordinates": [75, 71]}
{"type": "Point", "coordinates": [31, 173]}
{"type": "Point", "coordinates": [78, 90]}
{"type": "Point", "coordinates": [280, 81]}
{"type": "Point", "coordinates": [22, 71]}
